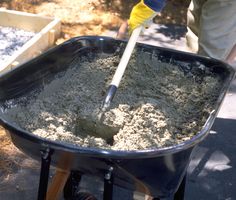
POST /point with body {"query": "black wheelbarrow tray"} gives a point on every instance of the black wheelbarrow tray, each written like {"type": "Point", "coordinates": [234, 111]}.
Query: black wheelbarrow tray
{"type": "Point", "coordinates": [157, 172]}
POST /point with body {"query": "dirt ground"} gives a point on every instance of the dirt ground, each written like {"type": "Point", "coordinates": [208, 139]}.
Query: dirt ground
{"type": "Point", "coordinates": [94, 17]}
{"type": "Point", "coordinates": [90, 17]}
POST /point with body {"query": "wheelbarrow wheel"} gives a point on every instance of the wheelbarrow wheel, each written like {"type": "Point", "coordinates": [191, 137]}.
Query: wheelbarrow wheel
{"type": "Point", "coordinates": [84, 196]}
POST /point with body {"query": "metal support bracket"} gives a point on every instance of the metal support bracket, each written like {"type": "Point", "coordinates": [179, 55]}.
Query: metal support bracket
{"type": "Point", "coordinates": [108, 185]}
{"type": "Point", "coordinates": [44, 173]}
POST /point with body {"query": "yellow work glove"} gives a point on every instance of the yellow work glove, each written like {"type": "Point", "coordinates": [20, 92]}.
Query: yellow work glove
{"type": "Point", "coordinates": [141, 13]}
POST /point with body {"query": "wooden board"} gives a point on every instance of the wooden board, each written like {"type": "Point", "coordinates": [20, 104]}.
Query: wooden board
{"type": "Point", "coordinates": [47, 31]}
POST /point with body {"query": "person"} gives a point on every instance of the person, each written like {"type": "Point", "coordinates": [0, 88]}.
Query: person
{"type": "Point", "coordinates": [211, 26]}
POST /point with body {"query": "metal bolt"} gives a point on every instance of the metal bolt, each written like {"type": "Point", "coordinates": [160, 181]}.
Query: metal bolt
{"type": "Point", "coordinates": [108, 174]}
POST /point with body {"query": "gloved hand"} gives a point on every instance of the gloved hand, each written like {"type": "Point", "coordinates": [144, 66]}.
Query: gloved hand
{"type": "Point", "coordinates": [143, 13]}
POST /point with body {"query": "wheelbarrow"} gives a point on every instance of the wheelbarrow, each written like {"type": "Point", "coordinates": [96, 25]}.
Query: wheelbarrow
{"type": "Point", "coordinates": [160, 173]}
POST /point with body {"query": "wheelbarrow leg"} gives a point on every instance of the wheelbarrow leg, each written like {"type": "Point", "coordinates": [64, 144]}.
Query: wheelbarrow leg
{"type": "Point", "coordinates": [179, 195]}
{"type": "Point", "coordinates": [44, 173]}
{"type": "Point", "coordinates": [108, 185]}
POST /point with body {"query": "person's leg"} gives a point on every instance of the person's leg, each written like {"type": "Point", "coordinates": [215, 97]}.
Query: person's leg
{"type": "Point", "coordinates": [122, 32]}
{"type": "Point", "coordinates": [217, 29]}
{"type": "Point", "coordinates": [231, 59]}
{"type": "Point", "coordinates": [193, 23]}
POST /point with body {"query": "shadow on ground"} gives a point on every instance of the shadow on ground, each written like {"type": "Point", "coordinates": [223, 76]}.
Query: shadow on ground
{"type": "Point", "coordinates": [172, 31]}
{"type": "Point", "coordinates": [212, 169]}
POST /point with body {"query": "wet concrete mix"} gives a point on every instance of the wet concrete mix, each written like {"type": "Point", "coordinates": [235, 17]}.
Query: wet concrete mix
{"type": "Point", "coordinates": [157, 104]}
